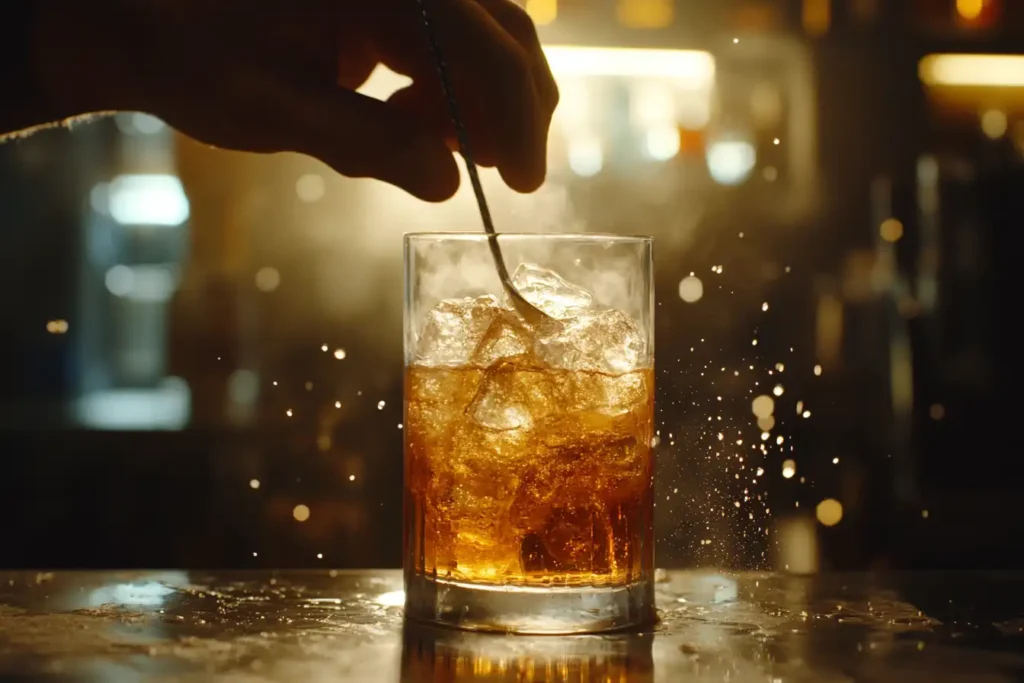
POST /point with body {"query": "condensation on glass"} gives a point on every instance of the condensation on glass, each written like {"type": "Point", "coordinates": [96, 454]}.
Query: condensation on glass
{"type": "Point", "coordinates": [528, 463]}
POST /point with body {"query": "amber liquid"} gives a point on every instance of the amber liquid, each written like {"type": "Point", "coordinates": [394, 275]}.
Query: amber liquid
{"type": "Point", "coordinates": [521, 475]}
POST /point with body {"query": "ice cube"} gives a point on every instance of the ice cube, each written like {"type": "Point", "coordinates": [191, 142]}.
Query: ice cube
{"type": "Point", "coordinates": [505, 337]}
{"type": "Point", "coordinates": [470, 332]}
{"type": "Point", "coordinates": [599, 341]}
{"type": "Point", "coordinates": [513, 395]}
{"type": "Point", "coordinates": [549, 292]}
{"type": "Point", "coordinates": [453, 330]}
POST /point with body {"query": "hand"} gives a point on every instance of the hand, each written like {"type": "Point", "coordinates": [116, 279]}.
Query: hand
{"type": "Point", "coordinates": [280, 75]}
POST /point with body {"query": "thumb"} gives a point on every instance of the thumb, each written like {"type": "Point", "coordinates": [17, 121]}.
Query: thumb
{"type": "Point", "coordinates": [361, 137]}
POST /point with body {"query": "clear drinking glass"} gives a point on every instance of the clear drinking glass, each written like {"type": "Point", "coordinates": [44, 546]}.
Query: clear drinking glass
{"type": "Point", "coordinates": [528, 465]}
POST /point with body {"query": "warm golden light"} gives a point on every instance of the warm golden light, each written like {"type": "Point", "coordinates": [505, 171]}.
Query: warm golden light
{"type": "Point", "coordinates": [300, 513]}
{"type": "Point", "coordinates": [817, 16]}
{"type": "Point", "coordinates": [542, 12]}
{"type": "Point", "coordinates": [646, 13]}
{"type": "Point", "coordinates": [788, 468]}
{"type": "Point", "coordinates": [57, 326]}
{"type": "Point", "coordinates": [994, 124]}
{"type": "Point", "coordinates": [797, 545]}
{"type": "Point", "coordinates": [267, 279]}
{"type": "Point", "coordinates": [829, 512]}
{"type": "Point", "coordinates": [691, 67]}
{"type": "Point", "coordinates": [891, 230]}
{"type": "Point", "coordinates": [969, 9]}
{"type": "Point", "coordinates": [994, 71]}
{"type": "Point", "coordinates": [310, 187]}
{"type": "Point", "coordinates": [691, 289]}
{"type": "Point", "coordinates": [763, 406]}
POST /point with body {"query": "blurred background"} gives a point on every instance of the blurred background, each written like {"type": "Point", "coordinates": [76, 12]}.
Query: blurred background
{"type": "Point", "coordinates": [201, 361]}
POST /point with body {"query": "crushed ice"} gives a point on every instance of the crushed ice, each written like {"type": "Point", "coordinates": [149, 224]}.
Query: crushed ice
{"type": "Point", "coordinates": [580, 335]}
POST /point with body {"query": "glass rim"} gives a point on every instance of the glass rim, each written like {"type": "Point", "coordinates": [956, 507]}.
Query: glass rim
{"type": "Point", "coordinates": [567, 236]}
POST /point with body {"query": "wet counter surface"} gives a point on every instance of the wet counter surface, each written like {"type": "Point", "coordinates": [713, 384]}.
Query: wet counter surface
{"type": "Point", "coordinates": [344, 626]}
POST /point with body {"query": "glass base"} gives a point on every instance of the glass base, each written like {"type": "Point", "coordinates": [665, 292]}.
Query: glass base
{"type": "Point", "coordinates": [515, 609]}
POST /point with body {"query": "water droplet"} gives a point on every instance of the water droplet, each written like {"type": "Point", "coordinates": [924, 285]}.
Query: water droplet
{"type": "Point", "coordinates": [788, 468]}
{"type": "Point", "coordinates": [691, 289]}
{"type": "Point", "coordinates": [763, 406]}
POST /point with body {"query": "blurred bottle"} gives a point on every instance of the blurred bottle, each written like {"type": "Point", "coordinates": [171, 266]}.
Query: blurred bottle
{"type": "Point", "coordinates": [136, 237]}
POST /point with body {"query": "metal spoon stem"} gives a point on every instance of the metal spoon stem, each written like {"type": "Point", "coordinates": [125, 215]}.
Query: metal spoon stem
{"type": "Point", "coordinates": [525, 308]}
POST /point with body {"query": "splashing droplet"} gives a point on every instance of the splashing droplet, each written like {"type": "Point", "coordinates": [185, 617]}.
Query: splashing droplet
{"type": "Point", "coordinates": [763, 406]}
{"type": "Point", "coordinates": [788, 468]}
{"type": "Point", "coordinates": [691, 289]}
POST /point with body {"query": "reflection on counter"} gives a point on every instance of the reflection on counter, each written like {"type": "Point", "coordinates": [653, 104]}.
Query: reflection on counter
{"type": "Point", "coordinates": [449, 656]}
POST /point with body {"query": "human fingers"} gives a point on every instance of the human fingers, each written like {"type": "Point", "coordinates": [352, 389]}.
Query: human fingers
{"type": "Point", "coordinates": [360, 137]}
{"type": "Point", "coordinates": [493, 78]}
{"type": "Point", "coordinates": [520, 26]}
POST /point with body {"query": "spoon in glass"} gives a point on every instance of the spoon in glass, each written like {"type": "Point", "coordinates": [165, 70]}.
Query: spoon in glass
{"type": "Point", "coordinates": [530, 313]}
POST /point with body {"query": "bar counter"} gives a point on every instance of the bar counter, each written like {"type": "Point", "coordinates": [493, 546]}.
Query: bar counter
{"type": "Point", "coordinates": [347, 626]}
